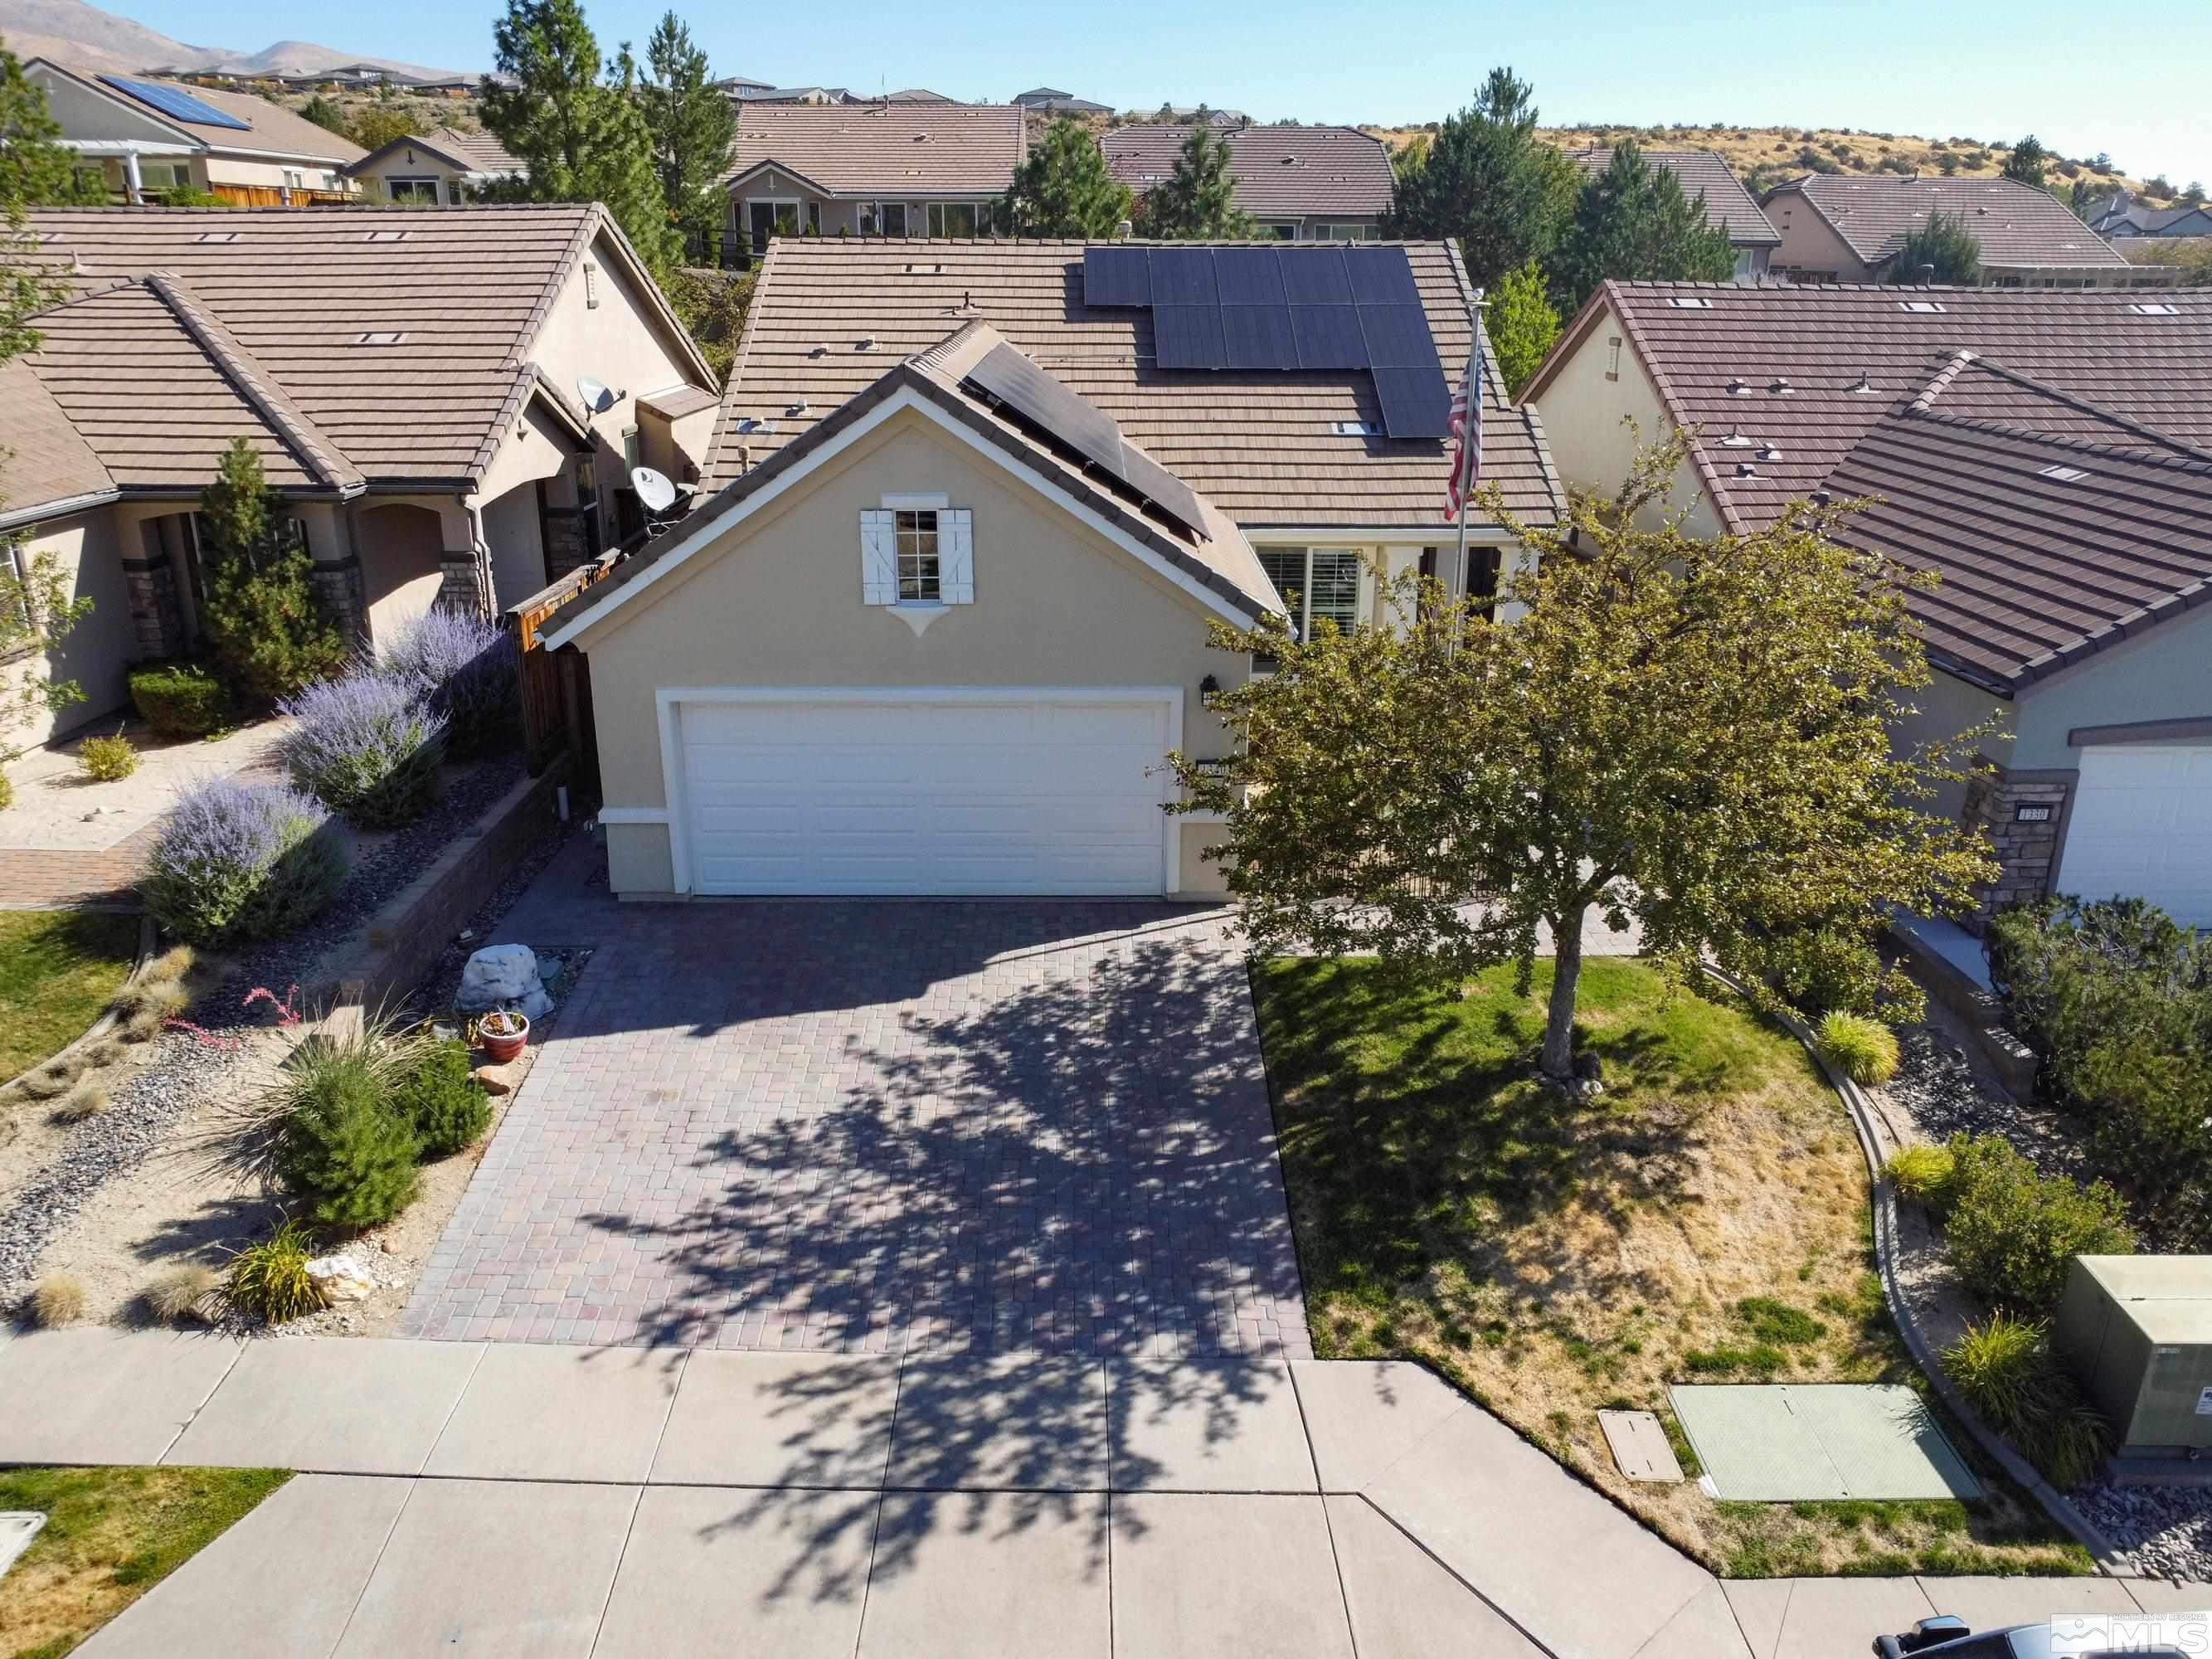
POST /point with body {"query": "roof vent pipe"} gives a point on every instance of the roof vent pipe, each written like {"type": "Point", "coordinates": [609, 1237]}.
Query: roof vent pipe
{"type": "Point", "coordinates": [1123, 230]}
{"type": "Point", "coordinates": [1927, 275]}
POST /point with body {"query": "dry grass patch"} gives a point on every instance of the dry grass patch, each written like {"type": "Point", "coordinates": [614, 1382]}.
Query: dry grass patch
{"type": "Point", "coordinates": [1703, 1219]}
{"type": "Point", "coordinates": [110, 1535]}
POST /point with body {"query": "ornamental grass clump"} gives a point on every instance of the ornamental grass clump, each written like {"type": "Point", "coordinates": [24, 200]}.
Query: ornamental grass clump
{"type": "Point", "coordinates": [465, 667]}
{"type": "Point", "coordinates": [366, 746]}
{"type": "Point", "coordinates": [56, 1300]}
{"type": "Point", "coordinates": [107, 760]}
{"type": "Point", "coordinates": [241, 861]}
{"type": "Point", "coordinates": [1923, 1174]}
{"type": "Point", "coordinates": [2008, 1374]}
{"type": "Point", "coordinates": [1863, 1050]}
{"type": "Point", "coordinates": [271, 1279]}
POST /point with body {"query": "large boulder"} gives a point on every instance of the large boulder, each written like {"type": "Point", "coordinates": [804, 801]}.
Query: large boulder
{"type": "Point", "coordinates": [341, 1279]}
{"type": "Point", "coordinates": [498, 975]}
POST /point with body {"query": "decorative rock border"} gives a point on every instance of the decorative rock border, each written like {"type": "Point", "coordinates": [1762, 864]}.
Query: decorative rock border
{"type": "Point", "coordinates": [1866, 1124]}
{"type": "Point", "coordinates": [108, 1018]}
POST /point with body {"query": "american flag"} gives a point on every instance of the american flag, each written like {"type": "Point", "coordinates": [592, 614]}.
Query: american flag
{"type": "Point", "coordinates": [1466, 425]}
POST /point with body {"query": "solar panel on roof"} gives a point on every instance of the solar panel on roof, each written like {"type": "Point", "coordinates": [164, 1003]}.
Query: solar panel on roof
{"type": "Point", "coordinates": [1398, 337]}
{"type": "Point", "coordinates": [1315, 275]}
{"type": "Point", "coordinates": [1117, 276]}
{"type": "Point", "coordinates": [1258, 337]}
{"type": "Point", "coordinates": [1381, 276]}
{"type": "Point", "coordinates": [1149, 479]}
{"type": "Point", "coordinates": [1248, 275]}
{"type": "Point", "coordinates": [175, 103]}
{"type": "Point", "coordinates": [1043, 403]}
{"type": "Point", "coordinates": [1184, 276]}
{"type": "Point", "coordinates": [1188, 336]}
{"type": "Point", "coordinates": [1415, 404]}
{"type": "Point", "coordinates": [1328, 337]}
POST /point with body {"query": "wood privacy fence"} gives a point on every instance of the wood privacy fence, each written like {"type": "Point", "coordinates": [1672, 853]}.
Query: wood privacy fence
{"type": "Point", "coordinates": [556, 686]}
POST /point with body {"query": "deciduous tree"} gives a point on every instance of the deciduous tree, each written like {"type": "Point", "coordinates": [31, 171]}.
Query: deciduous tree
{"type": "Point", "coordinates": [1197, 203]}
{"type": "Point", "coordinates": [1521, 325]}
{"type": "Point", "coordinates": [1488, 182]}
{"type": "Point", "coordinates": [1691, 736]}
{"type": "Point", "coordinates": [1062, 188]}
{"type": "Point", "coordinates": [380, 124]}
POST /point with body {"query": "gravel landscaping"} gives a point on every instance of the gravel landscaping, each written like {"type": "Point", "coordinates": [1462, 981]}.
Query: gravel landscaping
{"type": "Point", "coordinates": [2166, 1532]}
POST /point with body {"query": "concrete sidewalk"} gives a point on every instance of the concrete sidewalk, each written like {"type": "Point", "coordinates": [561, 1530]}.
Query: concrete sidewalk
{"type": "Point", "coordinates": [559, 1500]}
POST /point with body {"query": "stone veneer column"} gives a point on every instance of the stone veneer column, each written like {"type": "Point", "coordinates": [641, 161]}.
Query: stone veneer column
{"type": "Point", "coordinates": [465, 583]}
{"type": "Point", "coordinates": [157, 621]}
{"type": "Point", "coordinates": [2021, 814]}
{"type": "Point", "coordinates": [566, 547]}
{"type": "Point", "coordinates": [338, 590]}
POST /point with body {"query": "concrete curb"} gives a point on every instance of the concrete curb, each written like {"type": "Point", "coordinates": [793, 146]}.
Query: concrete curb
{"type": "Point", "coordinates": [1884, 1196]}
{"type": "Point", "coordinates": [108, 1018]}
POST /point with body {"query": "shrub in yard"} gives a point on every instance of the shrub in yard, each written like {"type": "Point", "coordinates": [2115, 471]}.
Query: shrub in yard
{"type": "Point", "coordinates": [56, 1300]}
{"type": "Point", "coordinates": [1863, 1050]}
{"type": "Point", "coordinates": [260, 616]}
{"type": "Point", "coordinates": [466, 666]}
{"type": "Point", "coordinates": [85, 1101]}
{"type": "Point", "coordinates": [345, 1153]}
{"type": "Point", "coordinates": [239, 860]}
{"type": "Point", "coordinates": [2006, 1371]}
{"type": "Point", "coordinates": [442, 1102]}
{"type": "Point", "coordinates": [182, 1292]}
{"type": "Point", "coordinates": [270, 1279]}
{"type": "Point", "coordinates": [1923, 1174]}
{"type": "Point", "coordinates": [366, 746]}
{"type": "Point", "coordinates": [2012, 1231]}
{"type": "Point", "coordinates": [164, 998]}
{"type": "Point", "coordinates": [7, 792]}
{"type": "Point", "coordinates": [107, 760]}
{"type": "Point", "coordinates": [1824, 970]}
{"type": "Point", "coordinates": [53, 1079]}
{"type": "Point", "coordinates": [180, 699]}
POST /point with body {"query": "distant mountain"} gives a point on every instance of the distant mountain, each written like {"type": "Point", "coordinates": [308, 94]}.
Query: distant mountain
{"type": "Point", "coordinates": [75, 32]}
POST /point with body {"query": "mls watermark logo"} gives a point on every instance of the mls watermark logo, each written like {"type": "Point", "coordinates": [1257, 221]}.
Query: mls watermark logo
{"type": "Point", "coordinates": [2078, 1636]}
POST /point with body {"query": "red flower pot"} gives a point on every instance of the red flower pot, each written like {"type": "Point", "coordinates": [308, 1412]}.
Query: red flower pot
{"type": "Point", "coordinates": [500, 1047]}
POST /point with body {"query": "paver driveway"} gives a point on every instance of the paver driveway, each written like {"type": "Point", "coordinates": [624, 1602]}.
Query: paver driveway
{"type": "Point", "coordinates": [994, 1127]}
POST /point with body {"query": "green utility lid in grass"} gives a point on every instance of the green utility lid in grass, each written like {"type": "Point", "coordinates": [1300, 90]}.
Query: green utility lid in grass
{"type": "Point", "coordinates": [1779, 1443]}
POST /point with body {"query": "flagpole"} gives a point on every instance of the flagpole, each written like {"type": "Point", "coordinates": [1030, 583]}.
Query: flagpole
{"type": "Point", "coordinates": [1466, 449]}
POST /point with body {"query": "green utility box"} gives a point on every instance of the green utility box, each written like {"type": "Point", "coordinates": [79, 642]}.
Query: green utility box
{"type": "Point", "coordinates": [2137, 1332]}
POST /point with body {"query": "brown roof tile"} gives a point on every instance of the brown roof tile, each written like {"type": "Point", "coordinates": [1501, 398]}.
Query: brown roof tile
{"type": "Point", "coordinates": [1262, 446]}
{"type": "Point", "coordinates": [914, 149]}
{"type": "Point", "coordinates": [1701, 171]}
{"type": "Point", "coordinates": [1278, 169]}
{"type": "Point", "coordinates": [274, 128]}
{"type": "Point", "coordinates": [2016, 224]}
{"type": "Point", "coordinates": [43, 458]}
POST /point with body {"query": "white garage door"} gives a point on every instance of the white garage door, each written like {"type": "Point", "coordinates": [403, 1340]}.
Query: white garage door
{"type": "Point", "coordinates": [2141, 828]}
{"type": "Point", "coordinates": [884, 791]}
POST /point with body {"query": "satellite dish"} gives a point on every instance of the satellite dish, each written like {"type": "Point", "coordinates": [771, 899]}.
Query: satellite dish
{"type": "Point", "coordinates": [654, 489]}
{"type": "Point", "coordinates": [597, 396]}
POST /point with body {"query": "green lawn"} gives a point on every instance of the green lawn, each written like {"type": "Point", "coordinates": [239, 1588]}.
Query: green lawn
{"type": "Point", "coordinates": [110, 1535]}
{"type": "Point", "coordinates": [58, 969]}
{"type": "Point", "coordinates": [1703, 1219]}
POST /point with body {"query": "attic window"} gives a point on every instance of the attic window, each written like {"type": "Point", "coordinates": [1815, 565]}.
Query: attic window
{"type": "Point", "coordinates": [1687, 302]}
{"type": "Point", "coordinates": [2063, 474]}
{"type": "Point", "coordinates": [2154, 308]}
{"type": "Point", "coordinates": [1355, 428]}
{"type": "Point", "coordinates": [1920, 305]}
{"type": "Point", "coordinates": [216, 236]}
{"type": "Point", "coordinates": [381, 336]}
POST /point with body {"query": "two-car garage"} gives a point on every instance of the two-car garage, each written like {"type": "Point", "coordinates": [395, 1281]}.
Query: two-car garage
{"type": "Point", "coordinates": [2142, 826]}
{"type": "Point", "coordinates": [886, 790]}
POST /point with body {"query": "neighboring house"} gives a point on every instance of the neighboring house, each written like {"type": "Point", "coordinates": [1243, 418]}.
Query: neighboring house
{"type": "Point", "coordinates": [947, 615]}
{"type": "Point", "coordinates": [146, 138]}
{"type": "Point", "coordinates": [815, 95]}
{"type": "Point", "coordinates": [1050, 100]}
{"type": "Point", "coordinates": [1301, 183]}
{"type": "Point", "coordinates": [737, 85]}
{"type": "Point", "coordinates": [1850, 227]}
{"type": "Point", "coordinates": [868, 170]}
{"type": "Point", "coordinates": [2124, 216]}
{"type": "Point", "coordinates": [1729, 205]}
{"type": "Point", "coordinates": [440, 166]}
{"type": "Point", "coordinates": [1187, 113]}
{"type": "Point", "coordinates": [413, 380]}
{"type": "Point", "coordinates": [2046, 453]}
{"type": "Point", "coordinates": [917, 96]}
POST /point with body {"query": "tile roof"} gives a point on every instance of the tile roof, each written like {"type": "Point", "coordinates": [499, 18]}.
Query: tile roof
{"type": "Point", "coordinates": [2016, 224]}
{"type": "Point", "coordinates": [1262, 446]}
{"type": "Point", "coordinates": [2058, 530]}
{"type": "Point", "coordinates": [915, 149]}
{"type": "Point", "coordinates": [481, 150]}
{"type": "Point", "coordinates": [1727, 202]}
{"type": "Point", "coordinates": [43, 458]}
{"type": "Point", "coordinates": [1809, 371]}
{"type": "Point", "coordinates": [1278, 169]}
{"type": "Point", "coordinates": [274, 128]}
{"type": "Point", "coordinates": [280, 308]}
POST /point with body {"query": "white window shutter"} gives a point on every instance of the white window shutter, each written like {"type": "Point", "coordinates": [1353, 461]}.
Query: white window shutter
{"type": "Point", "coordinates": [878, 557]}
{"type": "Point", "coordinates": [955, 549]}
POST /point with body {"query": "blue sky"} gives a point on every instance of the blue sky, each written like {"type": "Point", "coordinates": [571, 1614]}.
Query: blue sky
{"type": "Point", "coordinates": [2130, 82]}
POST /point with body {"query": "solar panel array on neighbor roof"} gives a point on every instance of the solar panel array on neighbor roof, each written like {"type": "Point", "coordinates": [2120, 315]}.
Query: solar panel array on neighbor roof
{"type": "Point", "coordinates": [1285, 308]}
{"type": "Point", "coordinates": [175, 101]}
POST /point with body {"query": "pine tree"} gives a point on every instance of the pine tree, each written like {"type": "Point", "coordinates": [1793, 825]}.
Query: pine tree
{"type": "Point", "coordinates": [1521, 325]}
{"type": "Point", "coordinates": [1488, 182]}
{"type": "Point", "coordinates": [691, 122]}
{"type": "Point", "coordinates": [1634, 224]}
{"type": "Point", "coordinates": [1198, 201]}
{"type": "Point", "coordinates": [582, 138]}
{"type": "Point", "coordinates": [2025, 164]}
{"type": "Point", "coordinates": [1941, 251]}
{"type": "Point", "coordinates": [1062, 188]}
{"type": "Point", "coordinates": [269, 635]}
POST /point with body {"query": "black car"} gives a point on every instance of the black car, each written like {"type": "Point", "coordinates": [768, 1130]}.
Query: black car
{"type": "Point", "coordinates": [1947, 1637]}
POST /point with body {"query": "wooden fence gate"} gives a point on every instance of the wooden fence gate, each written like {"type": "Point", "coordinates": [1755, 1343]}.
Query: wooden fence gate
{"type": "Point", "coordinates": [556, 686]}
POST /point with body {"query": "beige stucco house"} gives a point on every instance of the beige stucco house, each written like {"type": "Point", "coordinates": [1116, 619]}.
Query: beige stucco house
{"type": "Point", "coordinates": [143, 139]}
{"type": "Point", "coordinates": [2013, 445]}
{"type": "Point", "coordinates": [947, 613]}
{"type": "Point", "coordinates": [444, 165]}
{"type": "Point", "coordinates": [448, 400]}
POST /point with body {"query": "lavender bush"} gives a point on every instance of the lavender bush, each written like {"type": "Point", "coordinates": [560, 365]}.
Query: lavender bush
{"type": "Point", "coordinates": [238, 860]}
{"type": "Point", "coordinates": [366, 746]}
{"type": "Point", "coordinates": [466, 666]}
